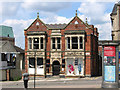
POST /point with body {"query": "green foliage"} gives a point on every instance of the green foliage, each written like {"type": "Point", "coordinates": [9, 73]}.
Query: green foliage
{"type": "Point", "coordinates": [16, 78]}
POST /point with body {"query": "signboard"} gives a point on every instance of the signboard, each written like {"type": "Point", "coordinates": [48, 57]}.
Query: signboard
{"type": "Point", "coordinates": [109, 63]}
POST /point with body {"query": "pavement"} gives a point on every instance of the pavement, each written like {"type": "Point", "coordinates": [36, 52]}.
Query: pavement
{"type": "Point", "coordinates": [87, 82]}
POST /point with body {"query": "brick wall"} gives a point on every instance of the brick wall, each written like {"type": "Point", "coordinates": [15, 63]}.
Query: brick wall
{"type": "Point", "coordinates": [91, 42]}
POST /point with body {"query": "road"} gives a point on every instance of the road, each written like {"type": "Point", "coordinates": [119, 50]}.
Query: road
{"type": "Point", "coordinates": [94, 82]}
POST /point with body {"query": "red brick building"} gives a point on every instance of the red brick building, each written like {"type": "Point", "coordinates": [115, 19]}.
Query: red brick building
{"type": "Point", "coordinates": [61, 49]}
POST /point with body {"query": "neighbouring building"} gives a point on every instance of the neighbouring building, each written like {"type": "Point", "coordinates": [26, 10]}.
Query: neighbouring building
{"type": "Point", "coordinates": [11, 56]}
{"type": "Point", "coordinates": [61, 49]}
{"type": "Point", "coordinates": [115, 20]}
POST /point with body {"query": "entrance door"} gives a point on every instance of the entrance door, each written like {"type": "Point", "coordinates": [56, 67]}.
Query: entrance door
{"type": "Point", "coordinates": [56, 68]}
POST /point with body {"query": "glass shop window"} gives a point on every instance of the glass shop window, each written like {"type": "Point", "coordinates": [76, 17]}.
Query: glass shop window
{"type": "Point", "coordinates": [53, 43]}
{"type": "Point", "coordinates": [31, 62]}
{"type": "Point", "coordinates": [63, 63]}
{"type": "Point", "coordinates": [40, 62]}
{"type": "Point", "coordinates": [36, 43]}
{"type": "Point", "coordinates": [76, 61]}
{"type": "Point", "coordinates": [74, 43]}
{"type": "Point", "coordinates": [81, 42]}
{"type": "Point", "coordinates": [68, 42]}
{"type": "Point", "coordinates": [41, 42]}
{"type": "Point", "coordinates": [4, 56]}
{"type": "Point", "coordinates": [30, 43]}
{"type": "Point", "coordinates": [58, 43]}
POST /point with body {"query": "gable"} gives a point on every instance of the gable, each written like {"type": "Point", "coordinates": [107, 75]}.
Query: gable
{"type": "Point", "coordinates": [37, 25]}
{"type": "Point", "coordinates": [76, 24]}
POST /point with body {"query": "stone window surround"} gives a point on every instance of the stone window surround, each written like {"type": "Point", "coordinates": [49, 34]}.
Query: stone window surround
{"type": "Point", "coordinates": [78, 35]}
{"type": "Point", "coordinates": [32, 37]}
{"type": "Point", "coordinates": [56, 43]}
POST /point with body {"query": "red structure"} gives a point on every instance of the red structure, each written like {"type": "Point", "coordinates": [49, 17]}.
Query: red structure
{"type": "Point", "coordinates": [54, 47]}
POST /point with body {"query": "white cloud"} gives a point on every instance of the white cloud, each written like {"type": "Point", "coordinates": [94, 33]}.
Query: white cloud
{"type": "Point", "coordinates": [51, 18]}
{"type": "Point", "coordinates": [104, 31]}
{"type": "Point", "coordinates": [18, 29]}
{"type": "Point", "coordinates": [96, 14]}
{"type": "Point", "coordinates": [20, 25]}
{"type": "Point", "coordinates": [9, 8]}
{"type": "Point", "coordinates": [45, 6]}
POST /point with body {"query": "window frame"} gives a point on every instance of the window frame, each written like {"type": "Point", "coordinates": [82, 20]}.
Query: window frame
{"type": "Point", "coordinates": [80, 43]}
{"type": "Point", "coordinates": [59, 42]}
{"type": "Point", "coordinates": [68, 43]}
{"type": "Point", "coordinates": [78, 39]}
{"type": "Point", "coordinates": [36, 43]}
{"type": "Point", "coordinates": [29, 43]}
{"type": "Point", "coordinates": [75, 43]}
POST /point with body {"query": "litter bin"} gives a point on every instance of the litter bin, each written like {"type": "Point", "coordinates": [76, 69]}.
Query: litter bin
{"type": "Point", "coordinates": [25, 78]}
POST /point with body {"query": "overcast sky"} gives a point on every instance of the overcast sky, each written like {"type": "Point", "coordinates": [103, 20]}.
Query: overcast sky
{"type": "Point", "coordinates": [20, 15]}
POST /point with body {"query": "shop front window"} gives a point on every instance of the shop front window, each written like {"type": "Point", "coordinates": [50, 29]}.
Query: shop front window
{"type": "Point", "coordinates": [4, 57]}
{"type": "Point", "coordinates": [40, 62]}
{"type": "Point", "coordinates": [31, 62]}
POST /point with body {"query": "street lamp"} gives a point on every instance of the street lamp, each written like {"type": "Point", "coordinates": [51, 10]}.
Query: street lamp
{"type": "Point", "coordinates": [34, 68]}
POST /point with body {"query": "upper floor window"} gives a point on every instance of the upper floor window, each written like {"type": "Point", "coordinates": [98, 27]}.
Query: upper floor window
{"type": "Point", "coordinates": [68, 42]}
{"type": "Point", "coordinates": [53, 43]}
{"type": "Point", "coordinates": [81, 42]}
{"type": "Point", "coordinates": [41, 42]}
{"type": "Point", "coordinates": [56, 43]}
{"type": "Point", "coordinates": [30, 43]}
{"type": "Point", "coordinates": [74, 42]}
{"type": "Point", "coordinates": [36, 43]}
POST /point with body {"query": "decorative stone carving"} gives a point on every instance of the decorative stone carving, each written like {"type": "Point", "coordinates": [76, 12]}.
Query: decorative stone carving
{"type": "Point", "coordinates": [74, 53]}
{"type": "Point", "coordinates": [40, 53]}
{"type": "Point", "coordinates": [56, 55]}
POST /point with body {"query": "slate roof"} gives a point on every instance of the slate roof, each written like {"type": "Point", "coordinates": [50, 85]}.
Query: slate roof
{"type": "Point", "coordinates": [8, 47]}
{"type": "Point", "coordinates": [114, 11]}
{"type": "Point", "coordinates": [75, 31]}
{"type": "Point", "coordinates": [6, 31]}
{"type": "Point", "coordinates": [56, 26]}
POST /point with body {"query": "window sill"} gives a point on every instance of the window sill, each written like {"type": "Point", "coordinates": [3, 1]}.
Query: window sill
{"type": "Point", "coordinates": [74, 49]}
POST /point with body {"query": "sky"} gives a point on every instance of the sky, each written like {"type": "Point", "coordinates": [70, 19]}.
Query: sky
{"type": "Point", "coordinates": [19, 14]}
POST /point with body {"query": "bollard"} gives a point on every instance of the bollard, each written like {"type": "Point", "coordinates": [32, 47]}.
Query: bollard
{"type": "Point", "coordinates": [25, 78]}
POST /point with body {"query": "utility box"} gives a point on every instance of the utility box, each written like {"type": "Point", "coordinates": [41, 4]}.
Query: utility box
{"type": "Point", "coordinates": [110, 64]}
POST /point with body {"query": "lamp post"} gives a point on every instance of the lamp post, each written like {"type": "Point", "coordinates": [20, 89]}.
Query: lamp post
{"type": "Point", "coordinates": [34, 68]}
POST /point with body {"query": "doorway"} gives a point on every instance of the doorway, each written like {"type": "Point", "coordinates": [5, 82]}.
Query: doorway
{"type": "Point", "coordinates": [56, 68]}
